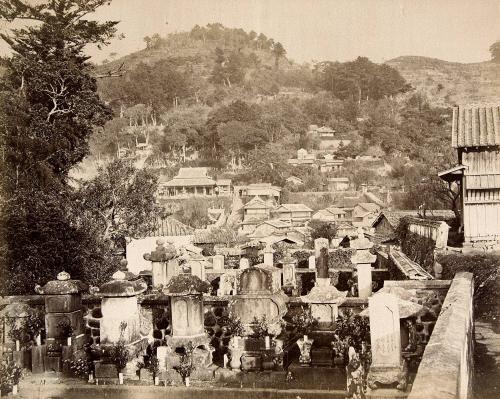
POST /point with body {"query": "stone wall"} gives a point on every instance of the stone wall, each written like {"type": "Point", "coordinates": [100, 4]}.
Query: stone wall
{"type": "Point", "coordinates": [447, 364]}
{"type": "Point", "coordinates": [433, 229]}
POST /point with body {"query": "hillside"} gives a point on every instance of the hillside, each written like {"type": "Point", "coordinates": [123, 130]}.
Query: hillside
{"type": "Point", "coordinates": [447, 83]}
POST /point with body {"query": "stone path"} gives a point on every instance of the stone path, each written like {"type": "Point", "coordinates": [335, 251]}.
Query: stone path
{"type": "Point", "coordinates": [487, 359]}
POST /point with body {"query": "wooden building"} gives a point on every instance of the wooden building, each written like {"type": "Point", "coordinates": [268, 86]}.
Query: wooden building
{"type": "Point", "coordinates": [476, 136]}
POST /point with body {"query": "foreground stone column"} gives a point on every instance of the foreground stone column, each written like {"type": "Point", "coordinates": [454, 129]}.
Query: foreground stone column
{"type": "Point", "coordinates": [387, 365]}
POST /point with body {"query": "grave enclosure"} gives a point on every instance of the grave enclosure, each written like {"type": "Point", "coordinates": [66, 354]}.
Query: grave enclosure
{"type": "Point", "coordinates": [181, 310]}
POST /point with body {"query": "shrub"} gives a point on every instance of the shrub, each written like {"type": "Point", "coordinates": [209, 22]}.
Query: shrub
{"type": "Point", "coordinates": [304, 321]}
{"type": "Point", "coordinates": [417, 248]}
{"type": "Point", "coordinates": [10, 375]}
{"type": "Point", "coordinates": [233, 325]}
{"type": "Point", "coordinates": [322, 230]}
{"type": "Point", "coordinates": [485, 268]}
{"type": "Point", "coordinates": [80, 367]}
{"type": "Point", "coordinates": [186, 366]}
{"type": "Point", "coordinates": [351, 330]}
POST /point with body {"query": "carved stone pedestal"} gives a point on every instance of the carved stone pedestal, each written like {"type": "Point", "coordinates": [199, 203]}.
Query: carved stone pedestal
{"type": "Point", "coordinates": [380, 377]}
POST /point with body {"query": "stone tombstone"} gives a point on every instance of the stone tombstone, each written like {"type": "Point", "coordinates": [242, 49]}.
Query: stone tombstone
{"type": "Point", "coordinates": [63, 307]}
{"type": "Point", "coordinates": [218, 263]}
{"type": "Point", "coordinates": [269, 256]}
{"type": "Point", "coordinates": [318, 244]}
{"type": "Point", "coordinates": [173, 268]}
{"type": "Point", "coordinates": [322, 267]}
{"type": "Point", "coordinates": [244, 263]}
{"type": "Point", "coordinates": [385, 336]}
{"type": "Point", "coordinates": [197, 266]}
{"type": "Point", "coordinates": [384, 330]}
{"type": "Point", "coordinates": [121, 319]}
{"type": "Point", "coordinates": [158, 259]}
{"type": "Point", "coordinates": [312, 262]}
{"type": "Point", "coordinates": [289, 271]}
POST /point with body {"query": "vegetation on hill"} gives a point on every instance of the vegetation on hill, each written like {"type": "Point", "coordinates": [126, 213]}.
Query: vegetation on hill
{"type": "Point", "coordinates": [449, 83]}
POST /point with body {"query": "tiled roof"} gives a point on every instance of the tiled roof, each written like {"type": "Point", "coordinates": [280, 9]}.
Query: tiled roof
{"type": "Point", "coordinates": [334, 210]}
{"type": "Point", "coordinates": [192, 173]}
{"type": "Point", "coordinates": [338, 179]}
{"type": "Point", "coordinates": [256, 203]}
{"type": "Point", "coordinates": [294, 208]}
{"type": "Point", "coordinates": [171, 227]}
{"type": "Point", "coordinates": [199, 181]}
{"type": "Point", "coordinates": [370, 207]}
{"type": "Point", "coordinates": [409, 268]}
{"type": "Point", "coordinates": [394, 217]}
{"type": "Point", "coordinates": [475, 126]}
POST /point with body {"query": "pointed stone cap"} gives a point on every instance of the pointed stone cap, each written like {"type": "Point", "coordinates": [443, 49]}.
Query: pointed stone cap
{"type": "Point", "coordinates": [124, 268]}
{"type": "Point", "coordinates": [324, 294]}
{"type": "Point", "coordinates": [161, 254]}
{"type": "Point", "coordinates": [62, 286]}
{"type": "Point", "coordinates": [363, 257]}
{"type": "Point", "coordinates": [119, 286]}
{"type": "Point", "coordinates": [361, 242]}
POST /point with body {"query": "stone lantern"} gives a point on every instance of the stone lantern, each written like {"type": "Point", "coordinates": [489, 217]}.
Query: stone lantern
{"type": "Point", "coordinates": [120, 309]}
{"type": "Point", "coordinates": [187, 321]}
{"type": "Point", "coordinates": [363, 260]}
{"type": "Point", "coordinates": [64, 323]}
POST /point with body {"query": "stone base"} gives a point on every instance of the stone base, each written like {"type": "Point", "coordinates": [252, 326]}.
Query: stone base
{"type": "Point", "coordinates": [22, 358]}
{"type": "Point", "coordinates": [388, 377]}
{"type": "Point", "coordinates": [386, 394]}
{"type": "Point", "coordinates": [322, 356]}
{"type": "Point", "coordinates": [105, 370]}
{"type": "Point", "coordinates": [37, 359]}
{"type": "Point", "coordinates": [53, 363]}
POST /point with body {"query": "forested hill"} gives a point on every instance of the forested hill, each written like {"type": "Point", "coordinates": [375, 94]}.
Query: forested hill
{"type": "Point", "coordinates": [206, 65]}
{"type": "Point", "coordinates": [447, 83]}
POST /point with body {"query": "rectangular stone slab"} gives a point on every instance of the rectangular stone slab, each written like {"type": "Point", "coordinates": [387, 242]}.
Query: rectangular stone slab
{"type": "Point", "coordinates": [62, 303]}
{"type": "Point", "coordinates": [37, 359]}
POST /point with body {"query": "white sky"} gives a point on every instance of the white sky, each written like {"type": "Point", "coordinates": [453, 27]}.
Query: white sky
{"type": "Point", "coordinates": [453, 30]}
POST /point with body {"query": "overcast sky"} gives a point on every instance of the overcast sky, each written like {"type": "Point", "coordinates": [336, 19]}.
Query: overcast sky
{"type": "Point", "coordinates": [452, 30]}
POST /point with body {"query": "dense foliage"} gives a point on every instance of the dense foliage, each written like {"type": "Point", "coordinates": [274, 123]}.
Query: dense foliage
{"type": "Point", "coordinates": [485, 268]}
{"type": "Point", "coordinates": [49, 108]}
{"type": "Point", "coordinates": [418, 248]}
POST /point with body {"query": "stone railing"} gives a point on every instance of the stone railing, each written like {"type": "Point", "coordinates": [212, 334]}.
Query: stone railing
{"type": "Point", "coordinates": [433, 229]}
{"type": "Point", "coordinates": [447, 363]}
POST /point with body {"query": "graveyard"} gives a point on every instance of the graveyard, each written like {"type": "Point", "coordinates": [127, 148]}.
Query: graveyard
{"type": "Point", "coordinates": [200, 214]}
{"type": "Point", "coordinates": [195, 325]}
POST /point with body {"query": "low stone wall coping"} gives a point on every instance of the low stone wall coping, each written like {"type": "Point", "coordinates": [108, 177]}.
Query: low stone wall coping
{"type": "Point", "coordinates": [441, 373]}
{"type": "Point", "coordinates": [419, 284]}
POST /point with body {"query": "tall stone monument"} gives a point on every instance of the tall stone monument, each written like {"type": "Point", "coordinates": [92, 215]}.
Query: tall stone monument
{"type": "Point", "coordinates": [387, 367]}
{"type": "Point", "coordinates": [363, 260]}
{"type": "Point", "coordinates": [63, 318]}
{"type": "Point", "coordinates": [318, 244]}
{"type": "Point", "coordinates": [187, 317]}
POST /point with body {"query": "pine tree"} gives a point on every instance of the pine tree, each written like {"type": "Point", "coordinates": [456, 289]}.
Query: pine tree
{"type": "Point", "coordinates": [49, 107]}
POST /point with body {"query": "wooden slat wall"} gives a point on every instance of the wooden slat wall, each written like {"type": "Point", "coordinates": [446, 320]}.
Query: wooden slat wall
{"type": "Point", "coordinates": [482, 220]}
